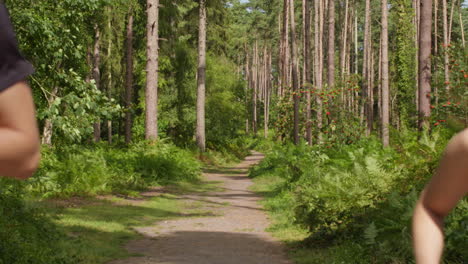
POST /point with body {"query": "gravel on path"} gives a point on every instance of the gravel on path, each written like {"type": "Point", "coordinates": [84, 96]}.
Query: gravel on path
{"type": "Point", "coordinates": [234, 234]}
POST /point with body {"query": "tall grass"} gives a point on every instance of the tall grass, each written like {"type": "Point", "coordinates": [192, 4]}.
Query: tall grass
{"type": "Point", "coordinates": [76, 170]}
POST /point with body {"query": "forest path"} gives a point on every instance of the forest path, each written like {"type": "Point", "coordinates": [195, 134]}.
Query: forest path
{"type": "Point", "coordinates": [234, 234]}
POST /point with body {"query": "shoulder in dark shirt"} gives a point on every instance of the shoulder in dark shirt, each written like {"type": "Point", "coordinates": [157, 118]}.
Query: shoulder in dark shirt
{"type": "Point", "coordinates": [13, 67]}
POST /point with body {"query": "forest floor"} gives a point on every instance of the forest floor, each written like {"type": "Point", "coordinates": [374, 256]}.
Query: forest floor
{"type": "Point", "coordinates": [232, 232]}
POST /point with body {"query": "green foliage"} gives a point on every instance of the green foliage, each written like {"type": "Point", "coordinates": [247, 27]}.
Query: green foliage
{"type": "Point", "coordinates": [359, 197]}
{"type": "Point", "coordinates": [404, 65]}
{"type": "Point", "coordinates": [225, 113]}
{"type": "Point", "coordinates": [27, 235]}
{"type": "Point", "coordinates": [100, 169]}
{"type": "Point", "coordinates": [450, 107]}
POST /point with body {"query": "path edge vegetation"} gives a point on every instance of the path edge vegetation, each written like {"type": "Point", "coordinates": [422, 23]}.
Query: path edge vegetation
{"type": "Point", "coordinates": [89, 217]}
{"type": "Point", "coordinates": [353, 204]}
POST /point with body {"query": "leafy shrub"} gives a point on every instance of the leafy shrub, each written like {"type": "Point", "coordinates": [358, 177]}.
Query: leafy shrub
{"type": "Point", "coordinates": [77, 170]}
{"type": "Point", "coordinates": [27, 235]}
{"type": "Point", "coordinates": [362, 195]}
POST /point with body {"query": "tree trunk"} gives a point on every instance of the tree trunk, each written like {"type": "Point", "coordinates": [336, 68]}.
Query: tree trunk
{"type": "Point", "coordinates": [318, 69]}
{"type": "Point", "coordinates": [345, 38]}
{"type": "Point", "coordinates": [462, 29]}
{"type": "Point", "coordinates": [255, 89]}
{"type": "Point", "coordinates": [200, 133]}
{"type": "Point", "coordinates": [97, 76]}
{"type": "Point", "coordinates": [295, 73]}
{"type": "Point", "coordinates": [446, 42]}
{"type": "Point", "coordinates": [436, 42]}
{"type": "Point", "coordinates": [48, 130]}
{"type": "Point", "coordinates": [356, 53]}
{"type": "Point", "coordinates": [425, 63]}
{"type": "Point", "coordinates": [416, 41]}
{"type": "Point", "coordinates": [109, 77]}
{"type": "Point", "coordinates": [451, 21]}
{"type": "Point", "coordinates": [129, 81]}
{"type": "Point", "coordinates": [385, 82]}
{"type": "Point", "coordinates": [152, 50]}
{"type": "Point", "coordinates": [366, 100]}
{"type": "Point", "coordinates": [307, 73]}
{"type": "Point", "coordinates": [331, 44]}
{"type": "Point", "coordinates": [248, 79]}
{"type": "Point", "coordinates": [266, 89]}
{"type": "Point", "coordinates": [285, 52]}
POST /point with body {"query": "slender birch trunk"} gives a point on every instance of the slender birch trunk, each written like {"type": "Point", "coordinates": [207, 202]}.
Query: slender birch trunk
{"type": "Point", "coordinates": [200, 133]}
{"type": "Point", "coordinates": [451, 21]}
{"type": "Point", "coordinates": [151, 89]}
{"type": "Point", "coordinates": [462, 29]}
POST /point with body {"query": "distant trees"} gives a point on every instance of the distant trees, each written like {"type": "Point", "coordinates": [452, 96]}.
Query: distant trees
{"type": "Point", "coordinates": [322, 71]}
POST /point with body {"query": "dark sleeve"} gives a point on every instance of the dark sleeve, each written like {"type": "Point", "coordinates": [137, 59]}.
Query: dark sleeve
{"type": "Point", "coordinates": [13, 67]}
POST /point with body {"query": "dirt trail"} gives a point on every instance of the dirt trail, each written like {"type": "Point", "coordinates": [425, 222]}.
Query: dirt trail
{"type": "Point", "coordinates": [235, 234]}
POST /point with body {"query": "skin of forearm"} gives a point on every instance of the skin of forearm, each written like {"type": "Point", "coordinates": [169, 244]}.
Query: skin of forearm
{"type": "Point", "coordinates": [446, 188]}
{"type": "Point", "coordinates": [19, 154]}
{"type": "Point", "coordinates": [19, 136]}
{"type": "Point", "coordinates": [428, 235]}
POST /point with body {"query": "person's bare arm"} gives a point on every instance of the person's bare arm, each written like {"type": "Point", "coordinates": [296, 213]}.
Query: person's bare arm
{"type": "Point", "coordinates": [19, 139]}
{"type": "Point", "coordinates": [447, 187]}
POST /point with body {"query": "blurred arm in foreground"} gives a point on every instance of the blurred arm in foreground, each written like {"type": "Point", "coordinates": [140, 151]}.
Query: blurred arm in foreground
{"type": "Point", "coordinates": [19, 137]}
{"type": "Point", "coordinates": [441, 195]}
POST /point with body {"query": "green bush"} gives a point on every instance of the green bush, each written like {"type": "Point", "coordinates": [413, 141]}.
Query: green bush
{"type": "Point", "coordinates": [27, 235]}
{"type": "Point", "coordinates": [77, 170]}
{"type": "Point", "coordinates": [362, 195]}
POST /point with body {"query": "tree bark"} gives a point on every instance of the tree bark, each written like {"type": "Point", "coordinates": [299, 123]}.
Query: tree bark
{"type": "Point", "coordinates": [451, 21]}
{"type": "Point", "coordinates": [446, 42]}
{"type": "Point", "coordinates": [152, 51]}
{"type": "Point", "coordinates": [385, 82]}
{"type": "Point", "coordinates": [48, 130]}
{"type": "Point", "coordinates": [366, 100]}
{"type": "Point", "coordinates": [266, 88]}
{"type": "Point", "coordinates": [436, 42]}
{"type": "Point", "coordinates": [331, 44]}
{"type": "Point", "coordinates": [356, 53]}
{"type": "Point", "coordinates": [97, 76]}
{"type": "Point", "coordinates": [345, 39]}
{"type": "Point", "coordinates": [285, 52]}
{"type": "Point", "coordinates": [416, 41]}
{"type": "Point", "coordinates": [425, 63]}
{"type": "Point", "coordinates": [462, 29]}
{"type": "Point", "coordinates": [307, 68]}
{"type": "Point", "coordinates": [129, 81]}
{"type": "Point", "coordinates": [295, 73]}
{"type": "Point", "coordinates": [200, 133]}
{"type": "Point", "coordinates": [255, 89]}
{"type": "Point", "coordinates": [318, 69]}
{"type": "Point", "coordinates": [109, 77]}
